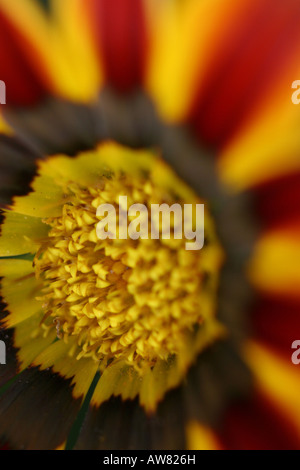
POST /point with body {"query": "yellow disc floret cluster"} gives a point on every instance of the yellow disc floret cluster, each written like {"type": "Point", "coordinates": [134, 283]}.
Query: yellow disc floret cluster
{"type": "Point", "coordinates": [130, 300]}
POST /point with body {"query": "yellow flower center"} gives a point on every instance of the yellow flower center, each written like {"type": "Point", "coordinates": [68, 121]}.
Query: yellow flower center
{"type": "Point", "coordinates": [139, 301]}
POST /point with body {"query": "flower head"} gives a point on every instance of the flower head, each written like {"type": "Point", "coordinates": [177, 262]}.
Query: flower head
{"type": "Point", "coordinates": [133, 99]}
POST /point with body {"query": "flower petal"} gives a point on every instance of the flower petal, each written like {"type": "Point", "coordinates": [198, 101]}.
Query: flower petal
{"type": "Point", "coordinates": [75, 68]}
{"type": "Point", "coordinates": [183, 39]}
{"type": "Point", "coordinates": [50, 418]}
{"type": "Point", "coordinates": [46, 199]}
{"type": "Point", "coordinates": [108, 427]}
{"type": "Point", "coordinates": [81, 371]}
{"type": "Point", "coordinates": [275, 266]}
{"type": "Point", "coordinates": [277, 201]}
{"type": "Point", "coordinates": [22, 52]}
{"type": "Point", "coordinates": [255, 53]}
{"type": "Point", "coordinates": [278, 379]}
{"type": "Point", "coordinates": [275, 322]}
{"type": "Point", "coordinates": [268, 146]}
{"type": "Point", "coordinates": [29, 340]}
{"type": "Point", "coordinates": [200, 437]}
{"type": "Point", "coordinates": [121, 37]}
{"type": "Point", "coordinates": [256, 424]}
{"type": "Point", "coordinates": [21, 234]}
{"type": "Point", "coordinates": [18, 290]}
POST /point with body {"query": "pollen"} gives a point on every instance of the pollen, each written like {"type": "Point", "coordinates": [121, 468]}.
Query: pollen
{"type": "Point", "coordinates": [122, 299]}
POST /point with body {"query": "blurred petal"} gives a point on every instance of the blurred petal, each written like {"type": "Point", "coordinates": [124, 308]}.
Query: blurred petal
{"type": "Point", "coordinates": [17, 168]}
{"type": "Point", "coordinates": [279, 380]}
{"type": "Point", "coordinates": [275, 322]}
{"type": "Point", "coordinates": [121, 37]}
{"type": "Point", "coordinates": [80, 371]}
{"type": "Point", "coordinates": [275, 265]}
{"type": "Point", "coordinates": [23, 49]}
{"type": "Point", "coordinates": [107, 427]}
{"type": "Point", "coordinates": [4, 126]}
{"type": "Point", "coordinates": [277, 201]}
{"type": "Point", "coordinates": [200, 437]}
{"type": "Point", "coordinates": [266, 148]}
{"type": "Point", "coordinates": [24, 402]}
{"type": "Point", "coordinates": [256, 424]}
{"type": "Point", "coordinates": [216, 63]}
{"type": "Point", "coordinates": [183, 37]}
{"type": "Point", "coordinates": [76, 70]}
{"type": "Point", "coordinates": [249, 60]}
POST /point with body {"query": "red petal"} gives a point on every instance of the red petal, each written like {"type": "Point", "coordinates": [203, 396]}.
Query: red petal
{"type": "Point", "coordinates": [23, 86]}
{"type": "Point", "coordinates": [249, 61]}
{"type": "Point", "coordinates": [277, 202]}
{"type": "Point", "coordinates": [276, 322]}
{"type": "Point", "coordinates": [258, 425]}
{"type": "Point", "coordinates": [122, 40]}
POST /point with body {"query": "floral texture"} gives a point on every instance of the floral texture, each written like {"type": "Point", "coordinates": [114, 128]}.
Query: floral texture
{"type": "Point", "coordinates": [140, 343]}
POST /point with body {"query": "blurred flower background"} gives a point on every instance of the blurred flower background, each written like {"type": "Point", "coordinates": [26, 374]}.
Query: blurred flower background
{"type": "Point", "coordinates": [206, 86]}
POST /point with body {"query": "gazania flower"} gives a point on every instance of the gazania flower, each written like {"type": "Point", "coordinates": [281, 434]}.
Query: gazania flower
{"type": "Point", "coordinates": [129, 344]}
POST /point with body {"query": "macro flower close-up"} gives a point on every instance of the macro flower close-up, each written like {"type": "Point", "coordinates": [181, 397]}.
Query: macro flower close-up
{"type": "Point", "coordinates": [140, 339]}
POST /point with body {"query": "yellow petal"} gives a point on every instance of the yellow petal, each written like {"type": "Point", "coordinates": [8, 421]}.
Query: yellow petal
{"type": "Point", "coordinates": [32, 22]}
{"type": "Point", "coordinates": [62, 446]}
{"type": "Point", "coordinates": [279, 379]}
{"type": "Point", "coordinates": [121, 379]}
{"type": "Point", "coordinates": [19, 289]}
{"type": "Point", "coordinates": [20, 234]}
{"type": "Point", "coordinates": [117, 379]}
{"type": "Point", "coordinates": [200, 437]}
{"type": "Point", "coordinates": [184, 36]}
{"type": "Point", "coordinates": [4, 127]}
{"type": "Point", "coordinates": [58, 357]}
{"type": "Point", "coordinates": [88, 167]}
{"type": "Point", "coordinates": [30, 341]}
{"type": "Point", "coordinates": [266, 147]}
{"type": "Point", "coordinates": [275, 266]}
{"type": "Point", "coordinates": [74, 62]}
{"type": "Point", "coordinates": [45, 201]}
{"type": "Point", "coordinates": [165, 375]}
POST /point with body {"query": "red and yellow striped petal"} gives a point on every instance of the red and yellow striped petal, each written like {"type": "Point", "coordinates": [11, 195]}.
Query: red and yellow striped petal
{"type": "Point", "coordinates": [279, 381]}
{"type": "Point", "coordinates": [183, 39]}
{"type": "Point", "coordinates": [249, 62]}
{"type": "Point", "coordinates": [200, 437]}
{"type": "Point", "coordinates": [23, 52]}
{"type": "Point", "coordinates": [76, 70]}
{"type": "Point", "coordinates": [257, 424]}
